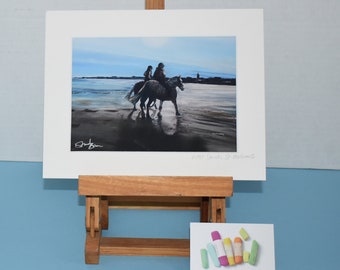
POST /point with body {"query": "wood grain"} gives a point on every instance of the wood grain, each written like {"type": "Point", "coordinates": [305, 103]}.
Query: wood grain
{"type": "Point", "coordinates": [154, 4]}
{"type": "Point", "coordinates": [177, 186]}
{"type": "Point", "coordinates": [145, 246]}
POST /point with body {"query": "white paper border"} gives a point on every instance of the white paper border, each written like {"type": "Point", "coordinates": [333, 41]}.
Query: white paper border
{"type": "Point", "coordinates": [246, 24]}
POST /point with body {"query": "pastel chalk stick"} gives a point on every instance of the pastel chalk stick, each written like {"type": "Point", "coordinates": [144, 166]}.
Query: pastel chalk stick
{"type": "Point", "coordinates": [229, 251]}
{"type": "Point", "coordinates": [244, 234]}
{"type": "Point", "coordinates": [246, 255]}
{"type": "Point", "coordinates": [204, 258]}
{"type": "Point", "coordinates": [213, 255]}
{"type": "Point", "coordinates": [219, 248]}
{"type": "Point", "coordinates": [253, 252]}
{"type": "Point", "coordinates": [238, 250]}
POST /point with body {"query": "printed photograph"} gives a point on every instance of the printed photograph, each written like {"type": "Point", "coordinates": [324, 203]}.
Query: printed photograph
{"type": "Point", "coordinates": [154, 94]}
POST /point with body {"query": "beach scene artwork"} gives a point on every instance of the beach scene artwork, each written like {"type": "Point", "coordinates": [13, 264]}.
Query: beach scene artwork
{"type": "Point", "coordinates": [105, 70]}
{"type": "Point", "coordinates": [102, 116]}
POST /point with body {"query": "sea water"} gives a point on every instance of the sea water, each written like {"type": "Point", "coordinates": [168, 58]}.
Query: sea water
{"type": "Point", "coordinates": [99, 94]}
{"type": "Point", "coordinates": [109, 94]}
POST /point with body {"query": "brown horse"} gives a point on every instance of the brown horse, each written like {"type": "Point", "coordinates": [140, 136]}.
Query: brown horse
{"type": "Point", "coordinates": [153, 90]}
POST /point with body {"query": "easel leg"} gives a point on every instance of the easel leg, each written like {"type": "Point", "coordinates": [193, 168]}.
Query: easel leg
{"type": "Point", "coordinates": [218, 207]}
{"type": "Point", "coordinates": [93, 230]}
{"type": "Point", "coordinates": [104, 211]}
{"type": "Point", "coordinates": [154, 4]}
{"type": "Point", "coordinates": [204, 209]}
{"type": "Point", "coordinates": [92, 248]}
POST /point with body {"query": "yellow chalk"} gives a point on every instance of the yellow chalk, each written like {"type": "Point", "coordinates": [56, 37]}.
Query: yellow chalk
{"type": "Point", "coordinates": [244, 234]}
{"type": "Point", "coordinates": [246, 255]}
{"type": "Point", "coordinates": [229, 251]}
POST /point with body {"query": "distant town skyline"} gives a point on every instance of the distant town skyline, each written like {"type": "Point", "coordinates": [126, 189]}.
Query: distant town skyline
{"type": "Point", "coordinates": [186, 56]}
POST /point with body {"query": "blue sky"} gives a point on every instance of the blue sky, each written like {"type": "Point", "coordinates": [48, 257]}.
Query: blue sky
{"type": "Point", "coordinates": [209, 56]}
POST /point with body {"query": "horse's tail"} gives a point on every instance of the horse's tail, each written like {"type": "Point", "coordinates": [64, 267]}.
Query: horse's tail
{"type": "Point", "coordinates": [134, 99]}
{"type": "Point", "coordinates": [128, 95]}
{"type": "Point", "coordinates": [135, 89]}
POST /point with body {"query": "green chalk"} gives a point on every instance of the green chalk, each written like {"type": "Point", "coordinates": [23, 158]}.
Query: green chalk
{"type": "Point", "coordinates": [244, 234]}
{"type": "Point", "coordinates": [204, 258]}
{"type": "Point", "coordinates": [253, 252]}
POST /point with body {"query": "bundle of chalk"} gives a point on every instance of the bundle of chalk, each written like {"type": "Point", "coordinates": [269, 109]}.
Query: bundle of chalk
{"type": "Point", "coordinates": [225, 253]}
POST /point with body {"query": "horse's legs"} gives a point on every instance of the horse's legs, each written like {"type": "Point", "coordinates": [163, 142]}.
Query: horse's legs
{"type": "Point", "coordinates": [176, 107]}
{"type": "Point", "coordinates": [160, 108]}
{"type": "Point", "coordinates": [142, 105]}
{"type": "Point", "coordinates": [134, 91]}
{"type": "Point", "coordinates": [148, 106]}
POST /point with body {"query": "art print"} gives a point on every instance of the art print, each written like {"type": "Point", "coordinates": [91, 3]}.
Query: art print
{"type": "Point", "coordinates": [185, 97]}
{"type": "Point", "coordinates": [154, 94]}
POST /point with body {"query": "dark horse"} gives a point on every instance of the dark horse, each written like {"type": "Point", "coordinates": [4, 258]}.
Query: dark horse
{"type": "Point", "coordinates": [153, 90]}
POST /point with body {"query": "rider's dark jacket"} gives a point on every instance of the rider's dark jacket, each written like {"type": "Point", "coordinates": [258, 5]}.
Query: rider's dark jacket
{"type": "Point", "coordinates": [159, 75]}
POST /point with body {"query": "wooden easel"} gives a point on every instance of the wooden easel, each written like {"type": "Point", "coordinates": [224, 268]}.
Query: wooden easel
{"type": "Point", "coordinates": [207, 194]}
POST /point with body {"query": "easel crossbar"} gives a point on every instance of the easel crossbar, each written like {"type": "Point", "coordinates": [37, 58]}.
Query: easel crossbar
{"type": "Point", "coordinates": [145, 247]}
{"type": "Point", "coordinates": [154, 203]}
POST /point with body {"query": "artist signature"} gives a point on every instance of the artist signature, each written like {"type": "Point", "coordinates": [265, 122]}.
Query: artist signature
{"type": "Point", "coordinates": [89, 145]}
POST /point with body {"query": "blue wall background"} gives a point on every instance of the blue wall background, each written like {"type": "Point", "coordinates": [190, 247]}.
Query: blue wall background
{"type": "Point", "coordinates": [42, 222]}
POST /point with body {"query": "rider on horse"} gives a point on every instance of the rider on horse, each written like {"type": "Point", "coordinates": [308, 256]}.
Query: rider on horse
{"type": "Point", "coordinates": [159, 75]}
{"type": "Point", "coordinates": [148, 74]}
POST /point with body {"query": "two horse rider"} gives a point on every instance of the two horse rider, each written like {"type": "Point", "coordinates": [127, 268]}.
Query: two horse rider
{"type": "Point", "coordinates": [148, 74]}
{"type": "Point", "coordinates": [159, 75]}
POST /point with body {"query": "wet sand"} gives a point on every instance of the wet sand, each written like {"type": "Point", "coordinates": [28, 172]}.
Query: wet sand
{"type": "Point", "coordinates": [201, 127]}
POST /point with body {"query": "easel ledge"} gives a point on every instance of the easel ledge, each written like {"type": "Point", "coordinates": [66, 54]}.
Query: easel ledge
{"type": "Point", "coordinates": [180, 186]}
{"type": "Point", "coordinates": [207, 194]}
